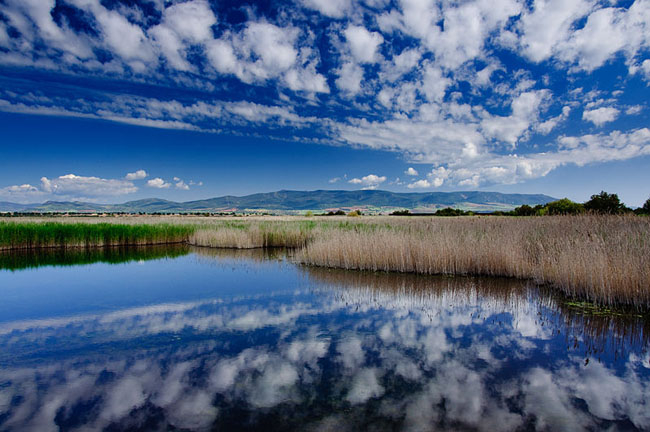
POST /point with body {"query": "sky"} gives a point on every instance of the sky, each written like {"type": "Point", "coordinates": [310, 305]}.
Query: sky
{"type": "Point", "coordinates": [116, 100]}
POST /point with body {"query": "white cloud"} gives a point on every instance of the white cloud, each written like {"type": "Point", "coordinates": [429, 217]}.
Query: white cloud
{"type": "Point", "coordinates": [183, 24]}
{"type": "Point", "coordinates": [420, 184]}
{"type": "Point", "coordinates": [180, 184]}
{"type": "Point", "coordinates": [330, 8]}
{"type": "Point", "coordinates": [400, 64]}
{"type": "Point", "coordinates": [525, 111]}
{"type": "Point", "coordinates": [371, 181]}
{"type": "Point", "coordinates": [466, 26]}
{"type": "Point", "coordinates": [138, 175]}
{"type": "Point", "coordinates": [434, 84]}
{"type": "Point", "coordinates": [119, 36]}
{"type": "Point", "coordinates": [600, 116]}
{"type": "Point", "coordinates": [580, 151]}
{"type": "Point", "coordinates": [68, 187]}
{"type": "Point", "coordinates": [334, 180]}
{"type": "Point", "coordinates": [411, 171]}
{"type": "Point", "coordinates": [24, 193]}
{"type": "Point", "coordinates": [547, 24]}
{"type": "Point", "coordinates": [350, 77]}
{"type": "Point", "coordinates": [264, 51]}
{"type": "Point", "coordinates": [158, 183]}
{"type": "Point", "coordinates": [363, 44]}
{"type": "Point", "coordinates": [607, 32]}
{"type": "Point", "coordinates": [547, 126]}
{"type": "Point", "coordinates": [72, 185]}
{"type": "Point", "coordinates": [634, 110]}
{"type": "Point", "coordinates": [550, 30]}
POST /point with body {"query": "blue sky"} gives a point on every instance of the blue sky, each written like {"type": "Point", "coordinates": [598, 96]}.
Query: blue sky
{"type": "Point", "coordinates": [108, 100]}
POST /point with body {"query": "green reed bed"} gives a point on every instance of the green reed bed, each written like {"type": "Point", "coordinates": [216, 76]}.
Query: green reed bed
{"type": "Point", "coordinates": [20, 235]}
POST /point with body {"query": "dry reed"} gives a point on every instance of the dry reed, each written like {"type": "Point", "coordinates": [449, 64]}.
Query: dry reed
{"type": "Point", "coordinates": [603, 259]}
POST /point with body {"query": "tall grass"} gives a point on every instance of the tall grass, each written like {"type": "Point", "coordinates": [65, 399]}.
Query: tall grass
{"type": "Point", "coordinates": [603, 259]}
{"type": "Point", "coordinates": [27, 235]}
{"type": "Point", "coordinates": [258, 234]}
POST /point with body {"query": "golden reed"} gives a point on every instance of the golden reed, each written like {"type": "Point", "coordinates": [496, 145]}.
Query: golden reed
{"type": "Point", "coordinates": [604, 259]}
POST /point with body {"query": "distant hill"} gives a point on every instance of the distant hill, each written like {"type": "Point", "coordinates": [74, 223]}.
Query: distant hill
{"type": "Point", "coordinates": [286, 201]}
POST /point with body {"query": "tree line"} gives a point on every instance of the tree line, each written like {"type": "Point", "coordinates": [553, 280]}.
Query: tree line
{"type": "Point", "coordinates": [602, 203]}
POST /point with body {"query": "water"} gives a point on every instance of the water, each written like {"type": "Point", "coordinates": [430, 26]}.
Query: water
{"type": "Point", "coordinates": [204, 339]}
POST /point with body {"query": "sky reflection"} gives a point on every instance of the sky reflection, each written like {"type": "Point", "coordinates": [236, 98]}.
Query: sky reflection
{"type": "Point", "coordinates": [320, 350]}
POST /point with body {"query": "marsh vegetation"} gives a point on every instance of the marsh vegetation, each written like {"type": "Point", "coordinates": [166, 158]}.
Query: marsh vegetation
{"type": "Point", "coordinates": [598, 258]}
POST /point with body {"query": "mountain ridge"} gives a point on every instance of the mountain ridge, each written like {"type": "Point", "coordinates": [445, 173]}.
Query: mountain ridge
{"type": "Point", "coordinates": [296, 201]}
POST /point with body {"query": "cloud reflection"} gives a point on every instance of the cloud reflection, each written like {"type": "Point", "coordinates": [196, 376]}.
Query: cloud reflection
{"type": "Point", "coordinates": [351, 351]}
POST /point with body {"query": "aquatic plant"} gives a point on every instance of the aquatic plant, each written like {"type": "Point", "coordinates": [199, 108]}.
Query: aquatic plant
{"type": "Point", "coordinates": [597, 258]}
{"type": "Point", "coordinates": [25, 235]}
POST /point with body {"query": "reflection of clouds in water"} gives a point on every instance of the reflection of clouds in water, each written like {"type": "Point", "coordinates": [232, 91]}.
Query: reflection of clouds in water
{"type": "Point", "coordinates": [439, 360]}
{"type": "Point", "coordinates": [365, 385]}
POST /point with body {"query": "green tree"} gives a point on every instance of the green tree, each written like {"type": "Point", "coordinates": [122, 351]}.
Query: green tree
{"type": "Point", "coordinates": [645, 209]}
{"type": "Point", "coordinates": [564, 206]}
{"type": "Point", "coordinates": [524, 210]}
{"type": "Point", "coordinates": [448, 211]}
{"type": "Point", "coordinates": [605, 203]}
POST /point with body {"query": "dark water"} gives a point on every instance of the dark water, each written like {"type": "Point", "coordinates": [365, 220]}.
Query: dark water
{"type": "Point", "coordinates": [201, 339]}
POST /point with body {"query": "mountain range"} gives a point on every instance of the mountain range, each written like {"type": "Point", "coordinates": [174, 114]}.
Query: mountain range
{"type": "Point", "coordinates": [286, 201]}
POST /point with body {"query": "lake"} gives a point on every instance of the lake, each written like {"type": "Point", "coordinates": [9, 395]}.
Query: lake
{"type": "Point", "coordinates": [179, 338]}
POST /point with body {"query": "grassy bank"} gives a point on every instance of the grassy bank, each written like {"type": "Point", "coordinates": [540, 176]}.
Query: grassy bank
{"type": "Point", "coordinates": [28, 235]}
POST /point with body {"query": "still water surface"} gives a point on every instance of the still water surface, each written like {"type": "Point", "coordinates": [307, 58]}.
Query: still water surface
{"type": "Point", "coordinates": [204, 339]}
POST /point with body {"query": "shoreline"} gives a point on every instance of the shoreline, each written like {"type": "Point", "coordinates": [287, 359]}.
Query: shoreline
{"type": "Point", "coordinates": [600, 259]}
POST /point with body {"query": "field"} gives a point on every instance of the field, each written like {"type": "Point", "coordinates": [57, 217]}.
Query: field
{"type": "Point", "coordinates": [601, 259]}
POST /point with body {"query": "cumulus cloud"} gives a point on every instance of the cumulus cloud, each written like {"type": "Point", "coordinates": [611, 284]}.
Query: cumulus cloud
{"type": "Point", "coordinates": [446, 97]}
{"type": "Point", "coordinates": [411, 171]}
{"type": "Point", "coordinates": [138, 175]}
{"type": "Point", "coordinates": [183, 24]}
{"type": "Point", "coordinates": [263, 51]}
{"type": "Point", "coordinates": [180, 184]}
{"type": "Point", "coordinates": [547, 24]}
{"type": "Point", "coordinates": [420, 184]}
{"type": "Point", "coordinates": [158, 183]}
{"type": "Point", "coordinates": [525, 111]}
{"type": "Point", "coordinates": [69, 186]}
{"type": "Point", "coordinates": [363, 44]}
{"type": "Point", "coordinates": [74, 185]}
{"type": "Point", "coordinates": [600, 116]}
{"type": "Point", "coordinates": [371, 181]}
{"type": "Point", "coordinates": [330, 8]}
{"type": "Point", "coordinates": [350, 77]}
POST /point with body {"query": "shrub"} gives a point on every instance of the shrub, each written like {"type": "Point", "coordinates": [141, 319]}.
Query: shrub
{"type": "Point", "coordinates": [524, 210]}
{"type": "Point", "coordinates": [564, 206]}
{"type": "Point", "coordinates": [451, 212]}
{"type": "Point", "coordinates": [354, 213]}
{"type": "Point", "coordinates": [404, 212]}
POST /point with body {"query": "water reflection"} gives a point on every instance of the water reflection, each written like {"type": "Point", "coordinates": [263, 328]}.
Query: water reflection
{"type": "Point", "coordinates": [335, 350]}
{"type": "Point", "coordinates": [33, 258]}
